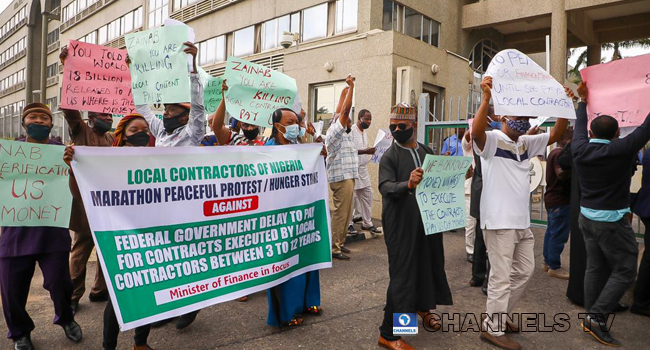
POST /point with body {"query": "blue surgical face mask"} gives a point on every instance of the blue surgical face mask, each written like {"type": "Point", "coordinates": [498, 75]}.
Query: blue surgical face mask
{"type": "Point", "coordinates": [495, 125]}
{"type": "Point", "coordinates": [520, 126]}
{"type": "Point", "coordinates": [303, 131]}
{"type": "Point", "coordinates": [291, 132]}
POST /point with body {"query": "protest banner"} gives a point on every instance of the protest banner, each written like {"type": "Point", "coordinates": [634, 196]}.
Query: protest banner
{"type": "Point", "coordinates": [441, 193]}
{"type": "Point", "coordinates": [179, 229]}
{"type": "Point", "coordinates": [34, 185]}
{"type": "Point", "coordinates": [159, 65]}
{"type": "Point", "coordinates": [96, 79]}
{"type": "Point", "coordinates": [255, 91]}
{"type": "Point", "coordinates": [626, 97]}
{"type": "Point", "coordinates": [211, 91]}
{"type": "Point", "coordinates": [382, 143]}
{"type": "Point", "coordinates": [520, 87]}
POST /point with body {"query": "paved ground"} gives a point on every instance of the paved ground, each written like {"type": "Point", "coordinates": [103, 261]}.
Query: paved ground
{"type": "Point", "coordinates": [353, 295]}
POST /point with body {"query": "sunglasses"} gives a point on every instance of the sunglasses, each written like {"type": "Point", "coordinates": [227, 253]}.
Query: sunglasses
{"type": "Point", "coordinates": [401, 126]}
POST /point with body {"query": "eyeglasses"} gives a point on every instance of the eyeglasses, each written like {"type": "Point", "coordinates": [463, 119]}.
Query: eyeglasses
{"type": "Point", "coordinates": [401, 126]}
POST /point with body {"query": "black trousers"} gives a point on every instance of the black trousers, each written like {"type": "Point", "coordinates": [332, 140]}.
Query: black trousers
{"type": "Point", "coordinates": [642, 290]}
{"type": "Point", "coordinates": [480, 264]}
{"type": "Point", "coordinates": [15, 279]}
{"type": "Point", "coordinates": [611, 263]}
{"type": "Point", "coordinates": [112, 329]}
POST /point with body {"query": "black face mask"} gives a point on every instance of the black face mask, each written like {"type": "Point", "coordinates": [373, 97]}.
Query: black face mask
{"type": "Point", "coordinates": [139, 139]}
{"type": "Point", "coordinates": [101, 125]}
{"type": "Point", "coordinates": [173, 123]}
{"type": "Point", "coordinates": [252, 133]}
{"type": "Point", "coordinates": [364, 126]}
{"type": "Point", "coordinates": [401, 135]}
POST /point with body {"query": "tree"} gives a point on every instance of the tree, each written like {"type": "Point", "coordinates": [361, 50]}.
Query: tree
{"type": "Point", "coordinates": [581, 62]}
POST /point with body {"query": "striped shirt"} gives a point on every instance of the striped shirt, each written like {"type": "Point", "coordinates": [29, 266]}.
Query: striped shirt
{"type": "Point", "coordinates": [342, 155]}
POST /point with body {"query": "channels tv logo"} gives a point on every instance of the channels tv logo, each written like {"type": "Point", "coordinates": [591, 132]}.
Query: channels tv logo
{"type": "Point", "coordinates": [405, 324]}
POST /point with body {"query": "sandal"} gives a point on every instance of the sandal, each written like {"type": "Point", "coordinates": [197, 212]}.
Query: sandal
{"type": "Point", "coordinates": [294, 323]}
{"type": "Point", "coordinates": [314, 310]}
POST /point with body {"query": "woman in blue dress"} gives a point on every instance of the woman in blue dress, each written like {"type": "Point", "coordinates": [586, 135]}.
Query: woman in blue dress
{"type": "Point", "coordinates": [300, 294]}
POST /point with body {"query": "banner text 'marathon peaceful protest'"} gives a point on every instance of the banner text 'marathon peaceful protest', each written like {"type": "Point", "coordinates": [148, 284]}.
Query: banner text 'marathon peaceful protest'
{"type": "Point", "coordinates": [103, 198]}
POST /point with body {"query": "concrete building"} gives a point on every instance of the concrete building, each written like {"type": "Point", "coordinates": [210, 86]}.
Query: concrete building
{"type": "Point", "coordinates": [398, 50]}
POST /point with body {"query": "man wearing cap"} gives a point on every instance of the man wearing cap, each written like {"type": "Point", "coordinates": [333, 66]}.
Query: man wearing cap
{"type": "Point", "coordinates": [22, 247]}
{"type": "Point", "coordinates": [416, 261]}
{"type": "Point", "coordinates": [97, 134]}
{"type": "Point", "coordinates": [182, 125]}
{"type": "Point", "coordinates": [342, 170]}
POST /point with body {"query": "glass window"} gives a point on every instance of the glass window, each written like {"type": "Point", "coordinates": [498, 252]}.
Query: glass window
{"type": "Point", "coordinates": [102, 35]}
{"type": "Point", "coordinates": [314, 24]}
{"type": "Point", "coordinates": [346, 15]}
{"type": "Point", "coordinates": [284, 25]}
{"type": "Point", "coordinates": [158, 12]}
{"type": "Point", "coordinates": [412, 23]}
{"type": "Point", "coordinates": [270, 34]}
{"type": "Point", "coordinates": [326, 100]}
{"type": "Point", "coordinates": [212, 50]}
{"type": "Point", "coordinates": [426, 30]}
{"type": "Point", "coordinates": [137, 21]}
{"type": "Point", "coordinates": [435, 33]}
{"type": "Point", "coordinates": [127, 23]}
{"type": "Point", "coordinates": [221, 48]}
{"type": "Point", "coordinates": [244, 42]}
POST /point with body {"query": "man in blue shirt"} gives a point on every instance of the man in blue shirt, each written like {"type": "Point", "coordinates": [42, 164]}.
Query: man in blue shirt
{"type": "Point", "coordinates": [452, 145]}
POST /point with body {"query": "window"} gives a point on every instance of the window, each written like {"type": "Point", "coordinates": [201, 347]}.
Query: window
{"type": "Point", "coordinates": [410, 22]}
{"type": "Point", "coordinates": [13, 21]}
{"type": "Point", "coordinates": [91, 38]}
{"type": "Point", "coordinates": [326, 98]}
{"type": "Point", "coordinates": [123, 25]}
{"type": "Point", "coordinates": [52, 70]}
{"type": "Point", "coordinates": [482, 54]}
{"type": "Point", "coordinates": [244, 42]}
{"type": "Point", "coordinates": [346, 15]}
{"type": "Point", "coordinates": [273, 30]}
{"type": "Point", "coordinates": [13, 50]}
{"type": "Point", "coordinates": [53, 36]}
{"type": "Point", "coordinates": [158, 12]}
{"type": "Point", "coordinates": [52, 103]}
{"type": "Point", "coordinates": [179, 4]}
{"type": "Point", "coordinates": [314, 24]}
{"type": "Point", "coordinates": [127, 22]}
{"type": "Point", "coordinates": [102, 35]}
{"type": "Point", "coordinates": [212, 50]}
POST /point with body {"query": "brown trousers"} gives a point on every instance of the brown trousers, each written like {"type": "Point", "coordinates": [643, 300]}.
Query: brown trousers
{"type": "Point", "coordinates": [82, 247]}
{"type": "Point", "coordinates": [343, 193]}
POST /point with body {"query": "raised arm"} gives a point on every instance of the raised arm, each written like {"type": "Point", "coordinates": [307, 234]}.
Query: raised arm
{"type": "Point", "coordinates": [481, 118]}
{"type": "Point", "coordinates": [561, 124]}
{"type": "Point", "coordinates": [196, 122]}
{"type": "Point", "coordinates": [347, 106]}
{"type": "Point", "coordinates": [75, 122]}
{"type": "Point", "coordinates": [339, 107]}
{"type": "Point", "coordinates": [219, 120]}
{"type": "Point", "coordinates": [580, 136]}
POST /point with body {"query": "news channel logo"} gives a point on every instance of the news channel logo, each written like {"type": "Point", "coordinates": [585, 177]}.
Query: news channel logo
{"type": "Point", "coordinates": [405, 324]}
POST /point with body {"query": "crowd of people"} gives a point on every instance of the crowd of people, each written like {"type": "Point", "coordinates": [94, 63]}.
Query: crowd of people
{"type": "Point", "coordinates": [588, 181]}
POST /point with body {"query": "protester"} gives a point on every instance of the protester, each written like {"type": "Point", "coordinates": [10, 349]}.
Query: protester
{"type": "Point", "coordinates": [182, 125]}
{"type": "Point", "coordinates": [641, 304]}
{"type": "Point", "coordinates": [300, 294]}
{"type": "Point", "coordinates": [470, 222]}
{"type": "Point", "coordinates": [342, 170]}
{"type": "Point", "coordinates": [505, 157]}
{"type": "Point", "coordinates": [21, 247]}
{"type": "Point", "coordinates": [96, 134]}
{"type": "Point", "coordinates": [450, 146]}
{"type": "Point", "coordinates": [362, 206]}
{"type": "Point", "coordinates": [605, 165]}
{"type": "Point", "coordinates": [557, 200]}
{"type": "Point", "coordinates": [416, 261]}
{"type": "Point", "coordinates": [132, 131]}
{"type": "Point", "coordinates": [250, 135]}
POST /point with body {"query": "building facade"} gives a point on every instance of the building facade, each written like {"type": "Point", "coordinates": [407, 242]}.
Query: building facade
{"type": "Point", "coordinates": [425, 52]}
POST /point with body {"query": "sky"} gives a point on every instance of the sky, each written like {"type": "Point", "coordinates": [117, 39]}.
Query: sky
{"type": "Point", "coordinates": [4, 4]}
{"type": "Point", "coordinates": [607, 54]}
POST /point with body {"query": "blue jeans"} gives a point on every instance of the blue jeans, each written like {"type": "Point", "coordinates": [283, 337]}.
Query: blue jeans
{"type": "Point", "coordinates": [556, 236]}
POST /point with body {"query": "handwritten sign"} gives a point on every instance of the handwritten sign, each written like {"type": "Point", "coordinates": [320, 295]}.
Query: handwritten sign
{"type": "Point", "coordinates": [441, 194]}
{"type": "Point", "coordinates": [520, 87]}
{"type": "Point", "coordinates": [96, 79]}
{"type": "Point", "coordinates": [382, 143]}
{"type": "Point", "coordinates": [255, 91]}
{"type": "Point", "coordinates": [33, 185]}
{"type": "Point", "coordinates": [159, 65]}
{"type": "Point", "coordinates": [211, 91]}
{"type": "Point", "coordinates": [620, 89]}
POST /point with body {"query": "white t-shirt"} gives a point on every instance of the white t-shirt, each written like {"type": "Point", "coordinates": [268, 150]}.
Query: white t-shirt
{"type": "Point", "coordinates": [506, 181]}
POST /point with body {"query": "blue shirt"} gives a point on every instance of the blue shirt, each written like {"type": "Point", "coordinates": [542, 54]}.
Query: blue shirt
{"type": "Point", "coordinates": [603, 215]}
{"type": "Point", "coordinates": [452, 144]}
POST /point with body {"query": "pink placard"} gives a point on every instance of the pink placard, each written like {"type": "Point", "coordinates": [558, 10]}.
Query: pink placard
{"type": "Point", "coordinates": [96, 79]}
{"type": "Point", "coordinates": [620, 89]}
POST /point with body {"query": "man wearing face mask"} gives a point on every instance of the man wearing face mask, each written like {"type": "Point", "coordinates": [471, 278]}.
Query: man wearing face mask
{"type": "Point", "coordinates": [416, 261]}
{"type": "Point", "coordinates": [22, 247]}
{"type": "Point", "coordinates": [505, 163]}
{"type": "Point", "coordinates": [250, 133]}
{"type": "Point", "coordinates": [342, 170]}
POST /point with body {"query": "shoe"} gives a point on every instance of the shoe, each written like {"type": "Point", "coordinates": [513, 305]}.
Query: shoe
{"type": "Point", "coordinates": [399, 344]}
{"type": "Point", "coordinates": [24, 343]}
{"type": "Point", "coordinates": [475, 283]}
{"type": "Point", "coordinates": [186, 320]}
{"type": "Point", "coordinates": [340, 256]}
{"type": "Point", "coordinates": [96, 298]}
{"type": "Point", "coordinates": [352, 230]}
{"type": "Point", "coordinates": [429, 321]}
{"type": "Point", "coordinates": [470, 258]}
{"type": "Point", "coordinates": [511, 327]}
{"type": "Point", "coordinates": [484, 289]}
{"type": "Point", "coordinates": [242, 299]}
{"type": "Point", "coordinates": [373, 230]}
{"type": "Point", "coordinates": [593, 327]}
{"type": "Point", "coordinates": [501, 341]}
{"type": "Point", "coordinates": [74, 305]}
{"type": "Point", "coordinates": [545, 267]}
{"type": "Point", "coordinates": [640, 311]}
{"type": "Point", "coordinates": [73, 331]}
{"type": "Point", "coordinates": [357, 219]}
{"type": "Point", "coordinates": [559, 273]}
{"type": "Point", "coordinates": [143, 347]}
{"type": "Point", "coordinates": [161, 322]}
{"type": "Point", "coordinates": [345, 250]}
{"type": "Point", "coordinates": [621, 307]}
